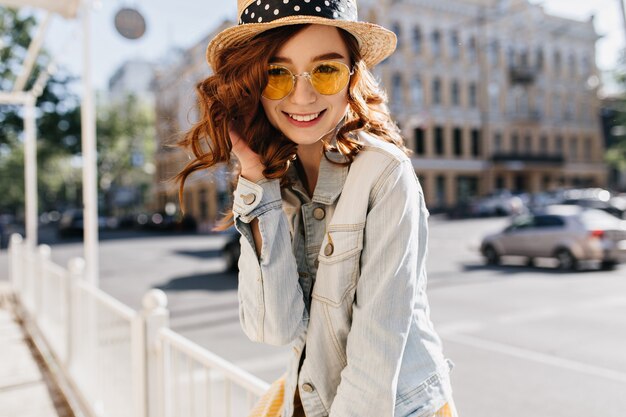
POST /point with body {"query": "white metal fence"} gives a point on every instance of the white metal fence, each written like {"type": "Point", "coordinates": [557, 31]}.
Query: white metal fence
{"type": "Point", "coordinates": [120, 362]}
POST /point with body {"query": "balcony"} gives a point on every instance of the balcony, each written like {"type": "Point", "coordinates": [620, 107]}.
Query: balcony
{"type": "Point", "coordinates": [546, 159]}
{"type": "Point", "coordinates": [522, 74]}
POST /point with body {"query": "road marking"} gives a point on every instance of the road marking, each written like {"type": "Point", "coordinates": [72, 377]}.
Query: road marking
{"type": "Point", "coordinates": [537, 357]}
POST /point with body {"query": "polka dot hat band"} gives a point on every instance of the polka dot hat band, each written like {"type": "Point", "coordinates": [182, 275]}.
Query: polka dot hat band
{"type": "Point", "coordinates": [266, 11]}
{"type": "Point", "coordinates": [256, 16]}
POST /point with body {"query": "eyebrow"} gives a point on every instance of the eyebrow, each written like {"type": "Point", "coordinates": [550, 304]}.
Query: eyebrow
{"type": "Point", "coordinates": [323, 57]}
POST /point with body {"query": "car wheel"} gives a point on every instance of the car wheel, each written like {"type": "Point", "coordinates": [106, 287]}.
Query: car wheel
{"type": "Point", "coordinates": [608, 265]}
{"type": "Point", "coordinates": [491, 255]}
{"type": "Point", "coordinates": [567, 261]}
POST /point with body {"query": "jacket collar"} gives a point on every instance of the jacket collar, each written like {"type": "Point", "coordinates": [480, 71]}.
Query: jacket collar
{"type": "Point", "coordinates": [330, 180]}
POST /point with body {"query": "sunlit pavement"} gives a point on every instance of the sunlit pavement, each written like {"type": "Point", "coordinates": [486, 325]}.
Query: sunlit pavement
{"type": "Point", "coordinates": [525, 341]}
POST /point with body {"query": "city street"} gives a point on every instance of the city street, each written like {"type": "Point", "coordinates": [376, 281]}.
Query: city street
{"type": "Point", "coordinates": [525, 341]}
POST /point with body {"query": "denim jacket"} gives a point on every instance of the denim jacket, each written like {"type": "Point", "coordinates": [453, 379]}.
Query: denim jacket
{"type": "Point", "coordinates": [342, 278]}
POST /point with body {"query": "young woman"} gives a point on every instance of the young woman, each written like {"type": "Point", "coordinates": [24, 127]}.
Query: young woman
{"type": "Point", "coordinates": [332, 218]}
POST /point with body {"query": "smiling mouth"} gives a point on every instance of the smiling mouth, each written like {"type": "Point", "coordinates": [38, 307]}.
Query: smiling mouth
{"type": "Point", "coordinates": [304, 117]}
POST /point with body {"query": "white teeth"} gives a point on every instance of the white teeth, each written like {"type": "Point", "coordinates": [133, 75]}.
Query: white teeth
{"type": "Point", "coordinates": [305, 118]}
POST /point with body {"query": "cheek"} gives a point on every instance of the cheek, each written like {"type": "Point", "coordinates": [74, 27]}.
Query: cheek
{"type": "Point", "coordinates": [270, 111]}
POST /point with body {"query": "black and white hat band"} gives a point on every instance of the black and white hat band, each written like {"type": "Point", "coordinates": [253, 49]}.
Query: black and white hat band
{"type": "Point", "coordinates": [264, 11]}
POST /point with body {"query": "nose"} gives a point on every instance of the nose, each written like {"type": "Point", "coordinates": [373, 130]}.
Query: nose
{"type": "Point", "coordinates": [303, 91]}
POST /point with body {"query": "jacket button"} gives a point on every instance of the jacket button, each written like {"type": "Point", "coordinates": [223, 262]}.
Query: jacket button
{"type": "Point", "coordinates": [319, 213]}
{"type": "Point", "coordinates": [248, 198]}
{"type": "Point", "coordinates": [306, 387]}
{"type": "Point", "coordinates": [328, 250]}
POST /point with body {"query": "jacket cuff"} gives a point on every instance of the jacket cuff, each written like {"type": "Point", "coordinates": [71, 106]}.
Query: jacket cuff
{"type": "Point", "coordinates": [253, 199]}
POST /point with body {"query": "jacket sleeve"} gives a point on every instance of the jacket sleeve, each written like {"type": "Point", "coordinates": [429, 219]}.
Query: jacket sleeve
{"type": "Point", "coordinates": [271, 304]}
{"type": "Point", "coordinates": [385, 295]}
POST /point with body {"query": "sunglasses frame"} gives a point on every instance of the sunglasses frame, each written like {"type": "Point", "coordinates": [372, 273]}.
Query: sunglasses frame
{"type": "Point", "coordinates": [307, 75]}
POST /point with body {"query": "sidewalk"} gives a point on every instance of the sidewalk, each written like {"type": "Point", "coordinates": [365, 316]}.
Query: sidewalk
{"type": "Point", "coordinates": [26, 390]}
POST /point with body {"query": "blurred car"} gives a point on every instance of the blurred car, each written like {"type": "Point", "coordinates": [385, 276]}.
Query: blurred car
{"type": "Point", "coordinates": [231, 250]}
{"type": "Point", "coordinates": [499, 203]}
{"type": "Point", "coordinates": [597, 198]}
{"type": "Point", "coordinates": [571, 234]}
{"type": "Point", "coordinates": [71, 223]}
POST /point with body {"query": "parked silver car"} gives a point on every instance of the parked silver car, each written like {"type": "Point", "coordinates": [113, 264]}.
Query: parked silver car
{"type": "Point", "coordinates": [571, 234]}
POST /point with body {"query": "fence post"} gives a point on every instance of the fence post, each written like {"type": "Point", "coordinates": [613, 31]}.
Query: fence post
{"type": "Point", "coordinates": [156, 317]}
{"type": "Point", "coordinates": [40, 278]}
{"type": "Point", "coordinates": [16, 263]}
{"type": "Point", "coordinates": [76, 270]}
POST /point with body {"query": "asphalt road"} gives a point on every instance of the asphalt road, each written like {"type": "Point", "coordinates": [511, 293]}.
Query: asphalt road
{"type": "Point", "coordinates": [526, 341]}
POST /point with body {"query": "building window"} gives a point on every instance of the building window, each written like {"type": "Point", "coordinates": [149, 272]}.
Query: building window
{"type": "Point", "coordinates": [515, 143]}
{"type": "Point", "coordinates": [574, 149]}
{"type": "Point", "coordinates": [417, 91]}
{"type": "Point", "coordinates": [572, 65]}
{"type": "Point", "coordinates": [476, 148]}
{"type": "Point", "coordinates": [589, 149]}
{"type": "Point", "coordinates": [586, 66]}
{"type": "Point", "coordinates": [539, 59]}
{"type": "Point", "coordinates": [439, 140]}
{"type": "Point", "coordinates": [440, 190]}
{"type": "Point", "coordinates": [524, 59]}
{"type": "Point", "coordinates": [397, 29]}
{"type": "Point", "coordinates": [471, 49]}
{"type": "Point", "coordinates": [396, 89]}
{"type": "Point", "coordinates": [528, 144]}
{"type": "Point", "coordinates": [437, 91]}
{"type": "Point", "coordinates": [497, 142]}
{"type": "Point", "coordinates": [494, 52]}
{"type": "Point", "coordinates": [494, 97]}
{"type": "Point", "coordinates": [557, 62]}
{"type": "Point", "coordinates": [543, 144]}
{"type": "Point", "coordinates": [466, 188]}
{"type": "Point", "coordinates": [420, 148]}
{"type": "Point", "coordinates": [204, 204]}
{"type": "Point", "coordinates": [454, 44]}
{"type": "Point", "coordinates": [558, 145]}
{"type": "Point", "coordinates": [556, 107]}
{"type": "Point", "coordinates": [457, 138]}
{"type": "Point", "coordinates": [417, 40]}
{"type": "Point", "coordinates": [436, 43]}
{"type": "Point", "coordinates": [456, 99]}
{"type": "Point", "coordinates": [510, 56]}
{"type": "Point", "coordinates": [473, 99]}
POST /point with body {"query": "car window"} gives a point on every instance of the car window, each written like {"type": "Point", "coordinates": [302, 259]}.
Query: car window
{"type": "Point", "coordinates": [520, 223]}
{"type": "Point", "coordinates": [549, 221]}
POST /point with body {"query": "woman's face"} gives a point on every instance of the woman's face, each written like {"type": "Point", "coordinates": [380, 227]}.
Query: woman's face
{"type": "Point", "coordinates": [312, 45]}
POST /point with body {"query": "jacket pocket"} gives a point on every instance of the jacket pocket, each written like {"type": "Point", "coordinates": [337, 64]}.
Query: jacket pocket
{"type": "Point", "coordinates": [338, 263]}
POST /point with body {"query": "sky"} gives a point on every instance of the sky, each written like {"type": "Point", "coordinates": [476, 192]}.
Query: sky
{"type": "Point", "coordinates": [182, 23]}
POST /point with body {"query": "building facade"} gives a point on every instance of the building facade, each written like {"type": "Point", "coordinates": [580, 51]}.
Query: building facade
{"type": "Point", "coordinates": [207, 193]}
{"type": "Point", "coordinates": [489, 94]}
{"type": "Point", "coordinates": [492, 94]}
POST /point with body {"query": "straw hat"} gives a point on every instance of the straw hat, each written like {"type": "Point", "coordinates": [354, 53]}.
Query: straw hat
{"type": "Point", "coordinates": [256, 16]}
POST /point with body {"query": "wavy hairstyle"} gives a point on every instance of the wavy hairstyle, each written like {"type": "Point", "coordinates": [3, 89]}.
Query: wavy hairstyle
{"type": "Point", "coordinates": [234, 92]}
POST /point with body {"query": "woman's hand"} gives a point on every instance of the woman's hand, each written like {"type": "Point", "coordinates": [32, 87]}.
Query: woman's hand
{"type": "Point", "coordinates": [251, 165]}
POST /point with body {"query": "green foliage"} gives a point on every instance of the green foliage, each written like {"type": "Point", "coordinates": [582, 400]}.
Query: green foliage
{"type": "Point", "coordinates": [58, 119]}
{"type": "Point", "coordinates": [615, 154]}
{"type": "Point", "coordinates": [126, 148]}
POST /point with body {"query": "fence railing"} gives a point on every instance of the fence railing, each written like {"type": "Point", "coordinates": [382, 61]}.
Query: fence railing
{"type": "Point", "coordinates": [121, 362]}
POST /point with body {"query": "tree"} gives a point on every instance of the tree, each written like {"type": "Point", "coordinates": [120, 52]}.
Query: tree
{"type": "Point", "coordinates": [126, 148]}
{"type": "Point", "coordinates": [58, 118]}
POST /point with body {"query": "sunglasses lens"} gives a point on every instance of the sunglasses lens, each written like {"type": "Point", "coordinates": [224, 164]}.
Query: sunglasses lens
{"type": "Point", "coordinates": [279, 82]}
{"type": "Point", "coordinates": [330, 77]}
{"type": "Point", "coordinates": [327, 78]}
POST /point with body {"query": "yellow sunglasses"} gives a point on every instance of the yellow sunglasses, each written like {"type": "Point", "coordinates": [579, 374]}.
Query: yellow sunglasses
{"type": "Point", "coordinates": [327, 78]}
